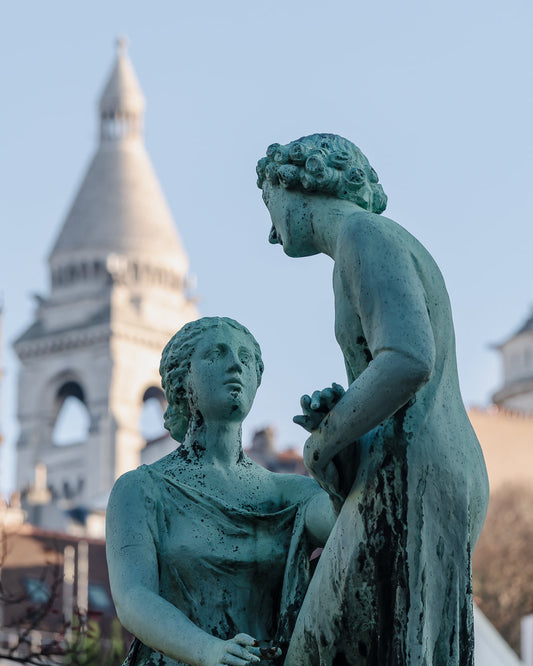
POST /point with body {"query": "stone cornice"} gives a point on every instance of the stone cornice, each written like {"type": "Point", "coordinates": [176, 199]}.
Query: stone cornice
{"type": "Point", "coordinates": [57, 342]}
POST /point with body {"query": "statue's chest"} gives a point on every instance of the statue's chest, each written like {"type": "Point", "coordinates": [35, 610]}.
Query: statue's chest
{"type": "Point", "coordinates": [199, 531]}
{"type": "Point", "coordinates": [349, 328]}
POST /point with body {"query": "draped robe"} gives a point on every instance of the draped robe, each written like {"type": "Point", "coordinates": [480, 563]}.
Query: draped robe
{"type": "Point", "coordinates": [229, 570]}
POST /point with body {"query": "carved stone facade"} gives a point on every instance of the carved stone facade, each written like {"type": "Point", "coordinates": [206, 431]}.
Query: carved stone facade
{"type": "Point", "coordinates": [119, 290]}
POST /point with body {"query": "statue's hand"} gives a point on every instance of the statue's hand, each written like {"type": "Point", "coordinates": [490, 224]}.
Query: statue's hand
{"type": "Point", "coordinates": [322, 470]}
{"type": "Point", "coordinates": [237, 651]}
{"type": "Point", "coordinates": [316, 407]}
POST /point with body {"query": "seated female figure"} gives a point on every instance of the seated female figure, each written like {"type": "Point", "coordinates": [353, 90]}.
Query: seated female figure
{"type": "Point", "coordinates": [208, 551]}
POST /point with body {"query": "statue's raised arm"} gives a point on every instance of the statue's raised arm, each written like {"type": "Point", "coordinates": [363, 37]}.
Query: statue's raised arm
{"type": "Point", "coordinates": [393, 586]}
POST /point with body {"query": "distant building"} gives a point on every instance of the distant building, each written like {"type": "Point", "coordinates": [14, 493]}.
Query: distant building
{"type": "Point", "coordinates": [118, 290]}
{"type": "Point", "coordinates": [263, 451]}
{"type": "Point", "coordinates": [49, 580]}
{"type": "Point", "coordinates": [505, 431]}
{"type": "Point", "coordinates": [516, 393]}
{"type": "Point", "coordinates": [506, 438]}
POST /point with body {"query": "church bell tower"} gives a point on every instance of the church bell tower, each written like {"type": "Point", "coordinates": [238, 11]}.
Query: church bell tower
{"type": "Point", "coordinates": [118, 291]}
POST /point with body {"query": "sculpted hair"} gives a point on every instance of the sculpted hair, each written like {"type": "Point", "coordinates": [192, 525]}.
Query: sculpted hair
{"type": "Point", "coordinates": [175, 364]}
{"type": "Point", "coordinates": [327, 164]}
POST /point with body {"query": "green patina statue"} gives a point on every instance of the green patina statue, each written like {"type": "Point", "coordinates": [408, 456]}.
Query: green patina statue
{"type": "Point", "coordinates": [208, 552]}
{"type": "Point", "coordinates": [396, 450]}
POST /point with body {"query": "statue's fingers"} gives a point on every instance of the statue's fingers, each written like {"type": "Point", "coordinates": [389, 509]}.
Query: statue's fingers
{"type": "Point", "coordinates": [316, 400]}
{"type": "Point", "coordinates": [232, 660]}
{"type": "Point", "coordinates": [254, 650]}
{"type": "Point", "coordinates": [244, 639]}
{"type": "Point", "coordinates": [305, 404]}
{"type": "Point", "coordinates": [338, 389]}
{"type": "Point", "coordinates": [241, 652]}
{"type": "Point", "coordinates": [303, 421]}
{"type": "Point", "coordinates": [328, 399]}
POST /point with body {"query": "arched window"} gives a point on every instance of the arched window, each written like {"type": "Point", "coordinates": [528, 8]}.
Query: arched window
{"type": "Point", "coordinates": [151, 419]}
{"type": "Point", "coordinates": [72, 422]}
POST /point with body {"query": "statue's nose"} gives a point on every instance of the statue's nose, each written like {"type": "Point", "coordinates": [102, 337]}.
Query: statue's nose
{"type": "Point", "coordinates": [235, 364]}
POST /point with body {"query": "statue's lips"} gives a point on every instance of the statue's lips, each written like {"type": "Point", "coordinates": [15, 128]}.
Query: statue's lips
{"type": "Point", "coordinates": [234, 382]}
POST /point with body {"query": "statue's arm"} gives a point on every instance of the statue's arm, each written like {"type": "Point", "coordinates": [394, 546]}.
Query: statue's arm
{"type": "Point", "coordinates": [384, 287]}
{"type": "Point", "coordinates": [320, 514]}
{"type": "Point", "coordinates": [320, 517]}
{"type": "Point", "coordinates": [133, 573]}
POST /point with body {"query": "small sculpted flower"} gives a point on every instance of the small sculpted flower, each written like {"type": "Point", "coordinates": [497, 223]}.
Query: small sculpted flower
{"type": "Point", "coordinates": [315, 164]}
{"type": "Point", "coordinates": [355, 176]}
{"type": "Point", "coordinates": [289, 175]}
{"type": "Point", "coordinates": [340, 159]}
{"type": "Point", "coordinates": [281, 156]}
{"type": "Point", "coordinates": [271, 150]}
{"type": "Point", "coordinates": [298, 152]}
{"type": "Point", "coordinates": [271, 173]}
{"type": "Point", "coordinates": [328, 180]}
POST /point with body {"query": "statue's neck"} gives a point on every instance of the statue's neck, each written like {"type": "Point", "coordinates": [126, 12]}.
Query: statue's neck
{"type": "Point", "coordinates": [329, 217]}
{"type": "Point", "coordinates": [215, 442]}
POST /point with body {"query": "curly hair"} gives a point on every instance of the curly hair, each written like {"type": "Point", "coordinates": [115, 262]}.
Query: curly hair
{"type": "Point", "coordinates": [175, 364]}
{"type": "Point", "coordinates": [323, 163]}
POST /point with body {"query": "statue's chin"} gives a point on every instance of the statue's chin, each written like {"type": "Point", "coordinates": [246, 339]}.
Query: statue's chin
{"type": "Point", "coordinates": [298, 252]}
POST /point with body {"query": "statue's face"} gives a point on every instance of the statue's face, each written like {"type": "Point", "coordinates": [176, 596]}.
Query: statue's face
{"type": "Point", "coordinates": [291, 215]}
{"type": "Point", "coordinates": [173, 423]}
{"type": "Point", "coordinates": [222, 380]}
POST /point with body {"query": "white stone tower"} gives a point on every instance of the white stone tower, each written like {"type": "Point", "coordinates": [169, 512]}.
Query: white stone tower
{"type": "Point", "coordinates": [516, 392]}
{"type": "Point", "coordinates": [118, 292]}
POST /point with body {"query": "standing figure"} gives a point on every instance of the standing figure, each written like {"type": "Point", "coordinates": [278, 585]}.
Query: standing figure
{"type": "Point", "coordinates": [393, 585]}
{"type": "Point", "coordinates": [208, 552]}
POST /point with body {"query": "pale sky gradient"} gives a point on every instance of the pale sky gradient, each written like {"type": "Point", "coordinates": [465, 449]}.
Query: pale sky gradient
{"type": "Point", "coordinates": [436, 94]}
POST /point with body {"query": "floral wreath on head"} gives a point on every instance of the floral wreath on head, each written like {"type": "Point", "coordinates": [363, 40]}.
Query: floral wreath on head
{"type": "Point", "coordinates": [327, 164]}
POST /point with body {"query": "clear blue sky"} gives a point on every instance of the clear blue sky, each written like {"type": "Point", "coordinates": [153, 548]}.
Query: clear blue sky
{"type": "Point", "coordinates": [437, 94]}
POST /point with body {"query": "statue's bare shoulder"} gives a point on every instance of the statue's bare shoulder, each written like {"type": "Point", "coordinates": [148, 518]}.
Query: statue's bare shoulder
{"type": "Point", "coordinates": [365, 234]}
{"type": "Point", "coordinates": [295, 488]}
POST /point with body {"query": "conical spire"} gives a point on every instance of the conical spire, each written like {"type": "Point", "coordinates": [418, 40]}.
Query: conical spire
{"type": "Point", "coordinates": [122, 102]}
{"type": "Point", "coordinates": [120, 208]}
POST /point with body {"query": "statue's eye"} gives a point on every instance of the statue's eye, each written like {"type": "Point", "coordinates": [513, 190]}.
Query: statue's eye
{"type": "Point", "coordinates": [245, 358]}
